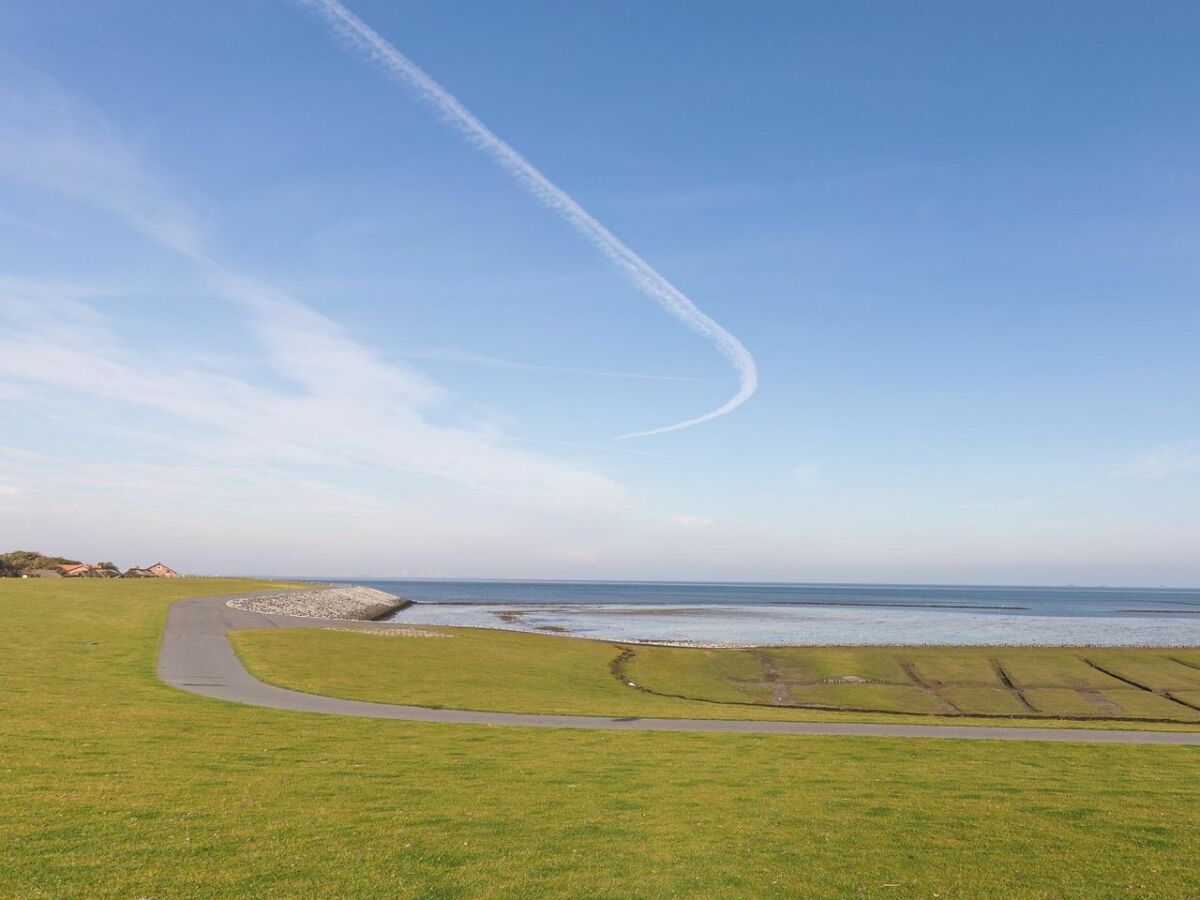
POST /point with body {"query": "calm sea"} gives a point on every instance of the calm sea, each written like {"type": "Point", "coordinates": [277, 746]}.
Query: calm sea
{"type": "Point", "coordinates": [811, 613]}
{"type": "Point", "coordinates": [1029, 601]}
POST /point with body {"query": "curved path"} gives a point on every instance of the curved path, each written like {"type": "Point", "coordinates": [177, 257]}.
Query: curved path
{"type": "Point", "coordinates": [196, 656]}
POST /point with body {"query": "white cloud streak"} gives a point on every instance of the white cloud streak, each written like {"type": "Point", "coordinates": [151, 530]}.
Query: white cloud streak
{"type": "Point", "coordinates": [640, 273]}
{"type": "Point", "coordinates": [342, 407]}
{"type": "Point", "coordinates": [343, 411]}
{"type": "Point", "coordinates": [492, 362]}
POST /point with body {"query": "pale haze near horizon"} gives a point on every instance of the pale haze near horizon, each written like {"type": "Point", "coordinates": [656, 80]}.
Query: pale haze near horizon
{"type": "Point", "coordinates": [262, 312]}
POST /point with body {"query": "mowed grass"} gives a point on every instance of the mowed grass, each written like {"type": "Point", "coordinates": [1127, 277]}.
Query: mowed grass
{"type": "Point", "coordinates": [506, 671]}
{"type": "Point", "coordinates": [514, 671]}
{"type": "Point", "coordinates": [115, 785]}
{"type": "Point", "coordinates": [1028, 682]}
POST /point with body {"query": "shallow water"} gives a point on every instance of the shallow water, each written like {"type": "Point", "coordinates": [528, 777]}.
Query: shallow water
{"type": "Point", "coordinates": [792, 625]}
{"type": "Point", "coordinates": [813, 614]}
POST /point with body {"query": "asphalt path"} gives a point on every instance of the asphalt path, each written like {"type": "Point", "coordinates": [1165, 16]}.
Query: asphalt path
{"type": "Point", "coordinates": [196, 656]}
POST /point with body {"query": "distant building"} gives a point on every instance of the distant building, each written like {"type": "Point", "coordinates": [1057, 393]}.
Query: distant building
{"type": "Point", "coordinates": [86, 570]}
{"type": "Point", "coordinates": [158, 570]}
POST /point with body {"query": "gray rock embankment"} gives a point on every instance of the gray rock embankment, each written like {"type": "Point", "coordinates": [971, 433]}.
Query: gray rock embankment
{"type": "Point", "coordinates": [354, 603]}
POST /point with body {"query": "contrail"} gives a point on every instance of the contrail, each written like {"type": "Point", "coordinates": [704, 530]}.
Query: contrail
{"type": "Point", "coordinates": [637, 270]}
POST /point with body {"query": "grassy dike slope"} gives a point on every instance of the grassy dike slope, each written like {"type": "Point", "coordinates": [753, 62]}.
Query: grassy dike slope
{"type": "Point", "coordinates": [116, 785]}
{"type": "Point", "coordinates": [511, 671]}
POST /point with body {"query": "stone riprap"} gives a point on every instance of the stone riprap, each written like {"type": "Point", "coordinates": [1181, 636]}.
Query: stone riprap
{"type": "Point", "coordinates": [393, 632]}
{"type": "Point", "coordinates": [353, 603]}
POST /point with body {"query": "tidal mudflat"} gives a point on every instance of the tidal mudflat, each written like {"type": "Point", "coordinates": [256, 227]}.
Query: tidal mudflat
{"type": "Point", "coordinates": [815, 626]}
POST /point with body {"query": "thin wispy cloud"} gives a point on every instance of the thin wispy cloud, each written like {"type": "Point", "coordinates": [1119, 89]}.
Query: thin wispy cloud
{"type": "Point", "coordinates": [1163, 461]}
{"type": "Point", "coordinates": [492, 362]}
{"type": "Point", "coordinates": [11, 220]}
{"type": "Point", "coordinates": [332, 402]}
{"type": "Point", "coordinates": [639, 273]}
{"type": "Point", "coordinates": [340, 406]}
{"type": "Point", "coordinates": [575, 445]}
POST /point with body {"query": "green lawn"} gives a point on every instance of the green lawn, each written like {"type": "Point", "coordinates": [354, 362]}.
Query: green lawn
{"type": "Point", "coordinates": [514, 671]}
{"type": "Point", "coordinates": [115, 785]}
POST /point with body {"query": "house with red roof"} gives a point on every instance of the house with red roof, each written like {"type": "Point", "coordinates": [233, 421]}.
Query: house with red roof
{"type": "Point", "coordinates": [158, 570]}
{"type": "Point", "coordinates": [88, 570]}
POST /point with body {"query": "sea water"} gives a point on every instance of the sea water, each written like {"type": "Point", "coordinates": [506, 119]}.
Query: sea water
{"type": "Point", "coordinates": [814, 614]}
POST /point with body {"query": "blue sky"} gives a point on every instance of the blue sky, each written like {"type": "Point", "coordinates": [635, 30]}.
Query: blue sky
{"type": "Point", "coordinates": [262, 310]}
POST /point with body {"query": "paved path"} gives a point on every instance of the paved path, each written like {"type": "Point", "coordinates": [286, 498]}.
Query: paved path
{"type": "Point", "coordinates": [196, 656]}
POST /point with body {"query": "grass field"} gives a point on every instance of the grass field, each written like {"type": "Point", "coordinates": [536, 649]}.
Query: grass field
{"type": "Point", "coordinates": [520, 672]}
{"type": "Point", "coordinates": [115, 785]}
